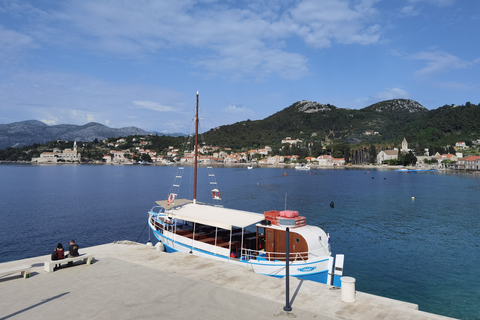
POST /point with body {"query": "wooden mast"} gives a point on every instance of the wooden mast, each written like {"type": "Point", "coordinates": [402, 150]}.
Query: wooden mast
{"type": "Point", "coordinates": [196, 154]}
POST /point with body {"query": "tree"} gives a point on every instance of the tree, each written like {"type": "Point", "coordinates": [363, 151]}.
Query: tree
{"type": "Point", "coordinates": [337, 154]}
{"type": "Point", "coordinates": [373, 154]}
{"type": "Point", "coordinates": [146, 157]}
{"type": "Point", "coordinates": [346, 154]}
{"type": "Point", "coordinates": [409, 159]}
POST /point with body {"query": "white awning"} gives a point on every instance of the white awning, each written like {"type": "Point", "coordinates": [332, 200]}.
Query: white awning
{"type": "Point", "coordinates": [215, 216]}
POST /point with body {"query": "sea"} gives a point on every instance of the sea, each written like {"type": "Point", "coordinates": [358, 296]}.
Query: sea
{"type": "Point", "coordinates": [408, 236]}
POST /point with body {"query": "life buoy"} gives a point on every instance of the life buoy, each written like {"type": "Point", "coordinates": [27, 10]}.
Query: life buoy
{"type": "Point", "coordinates": [171, 198]}
{"type": "Point", "coordinates": [216, 194]}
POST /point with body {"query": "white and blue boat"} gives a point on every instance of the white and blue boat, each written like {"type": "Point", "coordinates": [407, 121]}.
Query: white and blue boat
{"type": "Point", "coordinates": [254, 240]}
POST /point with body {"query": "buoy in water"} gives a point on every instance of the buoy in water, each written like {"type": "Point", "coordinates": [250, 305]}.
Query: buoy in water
{"type": "Point", "coordinates": [285, 174]}
{"type": "Point", "coordinates": [413, 198]}
{"type": "Point", "coordinates": [332, 204]}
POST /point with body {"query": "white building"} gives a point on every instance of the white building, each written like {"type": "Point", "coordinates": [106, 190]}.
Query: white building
{"type": "Point", "coordinates": [385, 155]}
{"type": "Point", "coordinates": [325, 160]}
{"type": "Point", "coordinates": [67, 155]}
{"type": "Point", "coordinates": [291, 141]}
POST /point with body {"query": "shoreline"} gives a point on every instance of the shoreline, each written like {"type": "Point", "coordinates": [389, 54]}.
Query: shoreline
{"type": "Point", "coordinates": [233, 165]}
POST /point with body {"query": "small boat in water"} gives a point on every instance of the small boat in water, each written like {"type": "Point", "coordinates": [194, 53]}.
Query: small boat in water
{"type": "Point", "coordinates": [255, 240]}
{"type": "Point", "coordinates": [302, 167]}
{"type": "Point", "coordinates": [416, 170]}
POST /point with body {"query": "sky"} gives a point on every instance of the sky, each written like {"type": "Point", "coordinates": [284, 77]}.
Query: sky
{"type": "Point", "coordinates": [139, 63]}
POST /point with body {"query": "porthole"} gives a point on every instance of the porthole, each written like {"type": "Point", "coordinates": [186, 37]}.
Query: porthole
{"type": "Point", "coordinates": [297, 240]}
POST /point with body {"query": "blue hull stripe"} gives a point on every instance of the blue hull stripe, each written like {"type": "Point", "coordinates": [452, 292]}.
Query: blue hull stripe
{"type": "Point", "coordinates": [317, 277]}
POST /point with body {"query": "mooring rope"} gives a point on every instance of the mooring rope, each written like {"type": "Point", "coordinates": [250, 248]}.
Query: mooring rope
{"type": "Point", "coordinates": [142, 231]}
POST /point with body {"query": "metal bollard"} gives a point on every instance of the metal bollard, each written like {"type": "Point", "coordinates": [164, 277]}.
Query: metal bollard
{"type": "Point", "coordinates": [348, 289]}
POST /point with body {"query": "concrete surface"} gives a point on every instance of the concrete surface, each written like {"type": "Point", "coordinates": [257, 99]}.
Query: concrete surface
{"type": "Point", "coordinates": [133, 281]}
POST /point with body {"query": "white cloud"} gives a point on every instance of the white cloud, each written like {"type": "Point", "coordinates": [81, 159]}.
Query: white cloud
{"type": "Point", "coordinates": [152, 106]}
{"type": "Point", "coordinates": [438, 3]}
{"type": "Point", "coordinates": [440, 62]}
{"type": "Point", "coordinates": [234, 109]}
{"type": "Point", "coordinates": [390, 93]}
{"type": "Point", "coordinates": [386, 94]}
{"type": "Point", "coordinates": [321, 22]}
{"type": "Point", "coordinates": [51, 121]}
{"type": "Point", "coordinates": [410, 10]}
{"type": "Point", "coordinates": [412, 7]}
{"type": "Point", "coordinates": [12, 44]}
{"type": "Point", "coordinates": [235, 38]}
{"type": "Point", "coordinates": [76, 99]}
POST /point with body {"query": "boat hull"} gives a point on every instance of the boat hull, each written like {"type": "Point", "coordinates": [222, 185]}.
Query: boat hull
{"type": "Point", "coordinates": [312, 269]}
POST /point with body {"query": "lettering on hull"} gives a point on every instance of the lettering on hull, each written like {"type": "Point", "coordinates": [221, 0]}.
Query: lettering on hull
{"type": "Point", "coordinates": [306, 269]}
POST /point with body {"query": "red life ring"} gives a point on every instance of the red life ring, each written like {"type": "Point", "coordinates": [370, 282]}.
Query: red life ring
{"type": "Point", "coordinates": [216, 194]}
{"type": "Point", "coordinates": [171, 198]}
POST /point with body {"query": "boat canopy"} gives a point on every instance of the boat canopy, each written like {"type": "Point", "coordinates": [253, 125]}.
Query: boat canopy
{"type": "Point", "coordinates": [214, 216]}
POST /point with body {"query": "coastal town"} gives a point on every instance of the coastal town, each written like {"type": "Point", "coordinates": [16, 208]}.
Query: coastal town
{"type": "Point", "coordinates": [141, 153]}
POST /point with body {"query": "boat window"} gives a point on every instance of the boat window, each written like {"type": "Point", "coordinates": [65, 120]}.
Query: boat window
{"type": "Point", "coordinates": [297, 240]}
{"type": "Point", "coordinates": [261, 231]}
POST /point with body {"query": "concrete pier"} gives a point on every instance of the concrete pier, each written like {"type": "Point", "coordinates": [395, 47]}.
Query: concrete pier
{"type": "Point", "coordinates": [128, 280]}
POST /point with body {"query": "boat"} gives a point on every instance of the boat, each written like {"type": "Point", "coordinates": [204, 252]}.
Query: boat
{"type": "Point", "coordinates": [250, 167]}
{"type": "Point", "coordinates": [255, 240]}
{"type": "Point", "coordinates": [302, 167]}
{"type": "Point", "coordinates": [416, 170]}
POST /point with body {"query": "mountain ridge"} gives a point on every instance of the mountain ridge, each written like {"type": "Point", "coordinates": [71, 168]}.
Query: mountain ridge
{"type": "Point", "coordinates": [23, 133]}
{"type": "Point", "coordinates": [386, 121]}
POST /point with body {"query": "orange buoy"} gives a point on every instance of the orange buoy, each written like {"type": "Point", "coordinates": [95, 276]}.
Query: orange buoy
{"type": "Point", "coordinates": [216, 194]}
{"type": "Point", "coordinates": [171, 198]}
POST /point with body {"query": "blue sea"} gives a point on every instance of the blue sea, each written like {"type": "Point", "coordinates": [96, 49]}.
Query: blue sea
{"type": "Point", "coordinates": [411, 237]}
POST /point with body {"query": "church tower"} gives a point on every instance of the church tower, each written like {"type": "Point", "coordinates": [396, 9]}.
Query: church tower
{"type": "Point", "coordinates": [404, 146]}
{"type": "Point", "coordinates": [75, 146]}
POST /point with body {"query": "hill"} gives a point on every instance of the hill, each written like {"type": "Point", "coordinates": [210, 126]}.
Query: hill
{"type": "Point", "coordinates": [385, 123]}
{"type": "Point", "coordinates": [23, 133]}
{"type": "Point", "coordinates": [312, 121]}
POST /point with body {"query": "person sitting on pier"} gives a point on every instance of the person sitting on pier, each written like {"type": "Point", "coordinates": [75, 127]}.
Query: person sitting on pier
{"type": "Point", "coordinates": [73, 249]}
{"type": "Point", "coordinates": [58, 254]}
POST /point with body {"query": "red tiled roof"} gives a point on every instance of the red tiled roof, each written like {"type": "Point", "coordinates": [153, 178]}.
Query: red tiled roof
{"type": "Point", "coordinates": [470, 158]}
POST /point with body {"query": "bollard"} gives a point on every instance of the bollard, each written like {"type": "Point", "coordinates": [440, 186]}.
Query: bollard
{"type": "Point", "coordinates": [348, 289]}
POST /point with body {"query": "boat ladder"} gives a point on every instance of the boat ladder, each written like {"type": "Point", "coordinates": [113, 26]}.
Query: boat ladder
{"type": "Point", "coordinates": [176, 184]}
{"type": "Point", "coordinates": [217, 199]}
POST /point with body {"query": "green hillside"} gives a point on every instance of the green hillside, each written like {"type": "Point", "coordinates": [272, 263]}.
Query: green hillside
{"type": "Point", "coordinates": [314, 122]}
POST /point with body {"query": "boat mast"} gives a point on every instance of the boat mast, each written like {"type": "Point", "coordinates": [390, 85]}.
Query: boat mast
{"type": "Point", "coordinates": [196, 153]}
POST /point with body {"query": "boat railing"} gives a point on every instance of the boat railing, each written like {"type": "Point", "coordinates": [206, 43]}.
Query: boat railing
{"type": "Point", "coordinates": [159, 209]}
{"type": "Point", "coordinates": [326, 249]}
{"type": "Point", "coordinates": [249, 254]}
